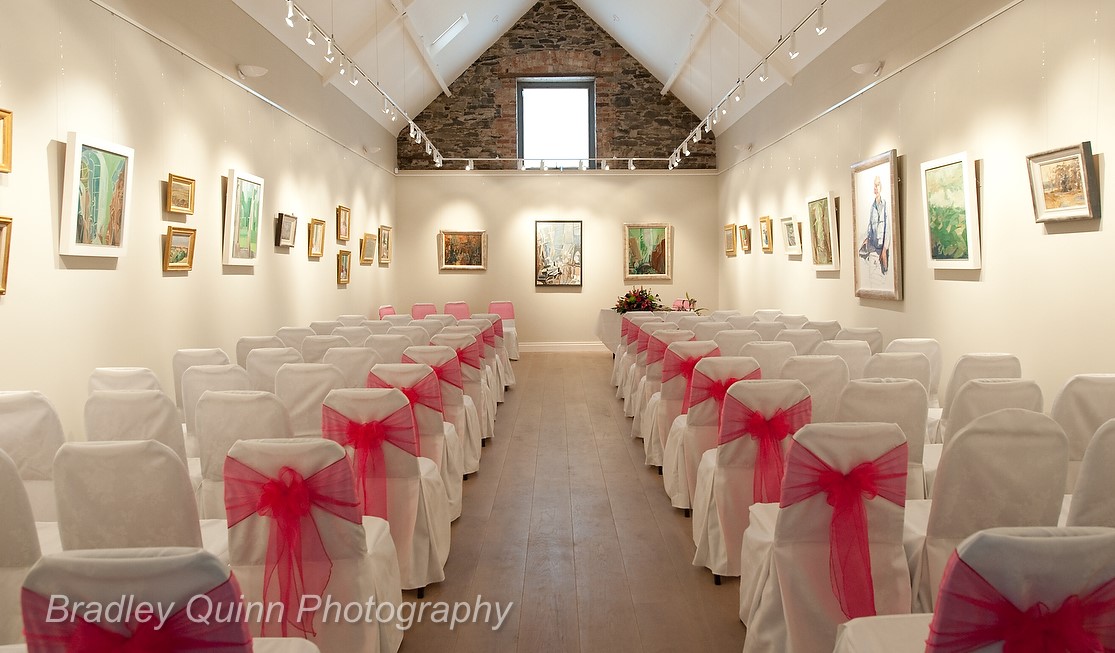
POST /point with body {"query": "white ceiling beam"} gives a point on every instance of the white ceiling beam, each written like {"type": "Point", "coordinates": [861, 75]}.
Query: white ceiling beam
{"type": "Point", "coordinates": [416, 38]}
{"type": "Point", "coordinates": [698, 36]}
{"type": "Point", "coordinates": [752, 40]}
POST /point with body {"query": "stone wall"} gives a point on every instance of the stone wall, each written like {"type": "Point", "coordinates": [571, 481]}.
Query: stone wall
{"type": "Point", "coordinates": [555, 38]}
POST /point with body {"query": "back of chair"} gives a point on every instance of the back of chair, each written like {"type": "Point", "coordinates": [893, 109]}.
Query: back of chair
{"type": "Point", "coordinates": [772, 355]}
{"type": "Point", "coordinates": [732, 340]}
{"type": "Point", "coordinates": [445, 318]}
{"type": "Point", "coordinates": [871, 335]}
{"type": "Point", "coordinates": [355, 335]}
{"type": "Point", "coordinates": [134, 415]}
{"type": "Point", "coordinates": [899, 401]}
{"type": "Point", "coordinates": [982, 396]}
{"type": "Point", "coordinates": [979, 366]}
{"type": "Point", "coordinates": [324, 327]}
{"type": "Point", "coordinates": [314, 347]}
{"type": "Point", "coordinates": [712, 376]}
{"type": "Point", "coordinates": [30, 432]}
{"type": "Point", "coordinates": [353, 362]}
{"type": "Point", "coordinates": [445, 364]}
{"type": "Point", "coordinates": [351, 320]}
{"type": "Point", "coordinates": [504, 309]}
{"type": "Point", "coordinates": [293, 336]}
{"type": "Point", "coordinates": [302, 388]}
{"type": "Point", "coordinates": [376, 326]}
{"type": "Point", "coordinates": [423, 389]}
{"type": "Point", "coordinates": [829, 328]}
{"type": "Point", "coordinates": [899, 365]}
{"type": "Point", "coordinates": [723, 314]}
{"type": "Point", "coordinates": [855, 353]}
{"type": "Point", "coordinates": [792, 320]}
{"type": "Point", "coordinates": [497, 324]}
{"type": "Point", "coordinates": [416, 334]}
{"type": "Point", "coordinates": [825, 376]}
{"type": "Point", "coordinates": [201, 378]}
{"type": "Point", "coordinates": [123, 378]}
{"type": "Point", "coordinates": [767, 330]}
{"type": "Point", "coordinates": [419, 310]}
{"type": "Point", "coordinates": [1084, 404]}
{"type": "Point", "coordinates": [689, 322]}
{"type": "Point", "coordinates": [431, 326]}
{"type": "Point", "coordinates": [803, 340]}
{"type": "Point", "coordinates": [19, 548]}
{"type": "Point", "coordinates": [397, 320]}
{"type": "Point", "coordinates": [629, 325]}
{"type": "Point", "coordinates": [678, 363]}
{"type": "Point", "coordinates": [766, 314]}
{"type": "Point", "coordinates": [115, 495]}
{"type": "Point", "coordinates": [741, 321]}
{"type": "Point", "coordinates": [186, 358]}
{"type": "Point", "coordinates": [389, 346]}
{"type": "Point", "coordinates": [708, 330]}
{"type": "Point", "coordinates": [1091, 498]}
{"type": "Point", "coordinates": [385, 310]}
{"type": "Point", "coordinates": [247, 343]}
{"type": "Point", "coordinates": [263, 364]}
{"type": "Point", "coordinates": [932, 350]}
{"type": "Point", "coordinates": [458, 310]}
{"type": "Point", "coordinates": [656, 354]}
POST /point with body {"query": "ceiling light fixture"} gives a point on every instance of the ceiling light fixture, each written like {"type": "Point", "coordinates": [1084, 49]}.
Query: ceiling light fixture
{"type": "Point", "coordinates": [310, 31]}
{"type": "Point", "coordinates": [342, 67]}
{"type": "Point", "coordinates": [329, 50]}
{"type": "Point", "coordinates": [290, 13]}
{"type": "Point", "coordinates": [631, 164]}
{"type": "Point", "coordinates": [468, 166]}
{"type": "Point", "coordinates": [821, 28]}
{"type": "Point", "coordinates": [794, 52]}
{"type": "Point", "coordinates": [765, 74]}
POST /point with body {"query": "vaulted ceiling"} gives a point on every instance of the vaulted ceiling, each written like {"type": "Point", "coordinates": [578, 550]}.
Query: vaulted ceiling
{"type": "Point", "coordinates": [698, 49]}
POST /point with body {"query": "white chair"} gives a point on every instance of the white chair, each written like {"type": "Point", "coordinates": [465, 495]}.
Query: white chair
{"type": "Point", "coordinates": [31, 433]}
{"type": "Point", "coordinates": [803, 340]}
{"type": "Point", "coordinates": [708, 330]}
{"type": "Point", "coordinates": [677, 372]}
{"type": "Point", "coordinates": [635, 396]}
{"type": "Point", "coordinates": [332, 549]}
{"type": "Point", "coordinates": [968, 367]}
{"type": "Point", "coordinates": [688, 321]}
{"type": "Point", "coordinates": [416, 334]}
{"type": "Point", "coordinates": [767, 314]}
{"type": "Point", "coordinates": [1086, 402]}
{"type": "Point", "coordinates": [828, 328]}
{"type": "Point", "coordinates": [223, 418]}
{"type": "Point", "coordinates": [324, 327]}
{"type": "Point", "coordinates": [354, 363]}
{"type": "Point", "coordinates": [503, 361]}
{"type": "Point", "coordinates": [771, 354]}
{"type": "Point", "coordinates": [19, 548]}
{"type": "Point", "coordinates": [624, 355]}
{"type": "Point", "coordinates": [1095, 485]}
{"type": "Point", "coordinates": [355, 335]}
{"type": "Point", "coordinates": [419, 310]}
{"type": "Point", "coordinates": [397, 320]}
{"type": "Point", "coordinates": [732, 340]}
{"type": "Point", "coordinates": [824, 376]}
{"type": "Point", "coordinates": [1007, 468]}
{"type": "Point", "coordinates": [248, 343]}
{"type": "Point", "coordinates": [134, 415]}
{"type": "Point", "coordinates": [723, 315]}
{"type": "Point", "coordinates": [264, 364]}
{"type": "Point", "coordinates": [199, 378]}
{"type": "Point", "coordinates": [351, 320]}
{"type": "Point", "coordinates": [898, 401]}
{"type": "Point", "coordinates": [293, 336]}
{"type": "Point", "coordinates": [487, 341]}
{"type": "Point", "coordinates": [744, 467]}
{"type": "Point", "coordinates": [439, 439]}
{"type": "Point", "coordinates": [184, 359]}
{"type": "Point", "coordinates": [792, 320]}
{"type": "Point", "coordinates": [123, 378]}
{"type": "Point", "coordinates": [840, 517]}
{"type": "Point", "coordinates": [389, 346]}
{"type": "Point", "coordinates": [871, 335]}
{"type": "Point", "coordinates": [432, 327]}
{"type": "Point", "coordinates": [506, 310]}
{"type": "Point", "coordinates": [742, 322]}
{"type": "Point", "coordinates": [487, 375]}
{"type": "Point", "coordinates": [376, 326]}
{"type": "Point", "coordinates": [767, 330]}
{"type": "Point", "coordinates": [899, 365]}
{"type": "Point", "coordinates": [393, 481]}
{"type": "Point", "coordinates": [445, 364]}
{"type": "Point", "coordinates": [467, 349]}
{"type": "Point", "coordinates": [302, 388]}
{"type": "Point", "coordinates": [646, 415]}
{"type": "Point", "coordinates": [979, 397]}
{"type": "Point", "coordinates": [314, 347]}
{"type": "Point", "coordinates": [855, 353]}
{"type": "Point", "coordinates": [445, 318]}
{"type": "Point", "coordinates": [932, 350]}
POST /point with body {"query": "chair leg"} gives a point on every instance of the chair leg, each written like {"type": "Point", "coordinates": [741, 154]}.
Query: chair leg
{"type": "Point", "coordinates": [685, 511]}
{"type": "Point", "coordinates": [421, 592]}
{"type": "Point", "coordinates": [660, 470]}
{"type": "Point", "coordinates": [716, 578]}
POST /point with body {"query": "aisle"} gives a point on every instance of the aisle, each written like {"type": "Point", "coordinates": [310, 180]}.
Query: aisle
{"type": "Point", "coordinates": [566, 521]}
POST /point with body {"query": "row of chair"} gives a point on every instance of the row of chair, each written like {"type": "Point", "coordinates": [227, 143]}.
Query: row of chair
{"type": "Point", "coordinates": [460, 310]}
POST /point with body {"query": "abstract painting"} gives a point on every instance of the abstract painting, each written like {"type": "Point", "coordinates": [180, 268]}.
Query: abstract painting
{"type": "Point", "coordinates": [951, 212]}
{"type": "Point", "coordinates": [462, 250]}
{"type": "Point", "coordinates": [647, 251]}
{"type": "Point", "coordinates": [97, 192]}
{"type": "Point", "coordinates": [243, 209]}
{"type": "Point", "coordinates": [557, 253]}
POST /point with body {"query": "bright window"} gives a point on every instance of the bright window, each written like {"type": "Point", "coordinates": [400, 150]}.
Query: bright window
{"type": "Point", "coordinates": [557, 122]}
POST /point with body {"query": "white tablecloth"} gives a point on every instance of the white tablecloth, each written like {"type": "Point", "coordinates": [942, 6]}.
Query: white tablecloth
{"type": "Point", "coordinates": [607, 327]}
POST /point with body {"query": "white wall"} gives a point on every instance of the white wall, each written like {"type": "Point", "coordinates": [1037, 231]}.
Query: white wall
{"type": "Point", "coordinates": [1034, 78]}
{"type": "Point", "coordinates": [507, 205]}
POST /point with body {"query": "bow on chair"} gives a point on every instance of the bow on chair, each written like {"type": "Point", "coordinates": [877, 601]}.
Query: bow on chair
{"type": "Point", "coordinates": [738, 420]}
{"type": "Point", "coordinates": [179, 633]}
{"type": "Point", "coordinates": [470, 355]}
{"type": "Point", "coordinates": [675, 365]}
{"type": "Point", "coordinates": [849, 549]}
{"type": "Point", "coordinates": [367, 440]}
{"type": "Point", "coordinates": [972, 614]}
{"type": "Point", "coordinates": [426, 392]}
{"type": "Point", "coordinates": [704, 387]}
{"type": "Point", "coordinates": [447, 372]}
{"type": "Point", "coordinates": [297, 561]}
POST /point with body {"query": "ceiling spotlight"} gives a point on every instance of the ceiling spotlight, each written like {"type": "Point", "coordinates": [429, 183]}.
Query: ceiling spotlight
{"type": "Point", "coordinates": [696, 135]}
{"type": "Point", "coordinates": [290, 13]}
{"type": "Point", "coordinates": [468, 166]}
{"type": "Point", "coordinates": [355, 79]}
{"type": "Point", "coordinates": [708, 122]}
{"type": "Point", "coordinates": [437, 162]}
{"type": "Point", "coordinates": [724, 109]}
{"type": "Point", "coordinates": [418, 137]}
{"type": "Point", "coordinates": [715, 116]}
{"type": "Point", "coordinates": [310, 32]}
{"type": "Point", "coordinates": [429, 148]}
{"type": "Point", "coordinates": [765, 74]}
{"type": "Point", "coordinates": [631, 164]}
{"type": "Point", "coordinates": [522, 164]}
{"type": "Point", "coordinates": [386, 105]}
{"type": "Point", "coordinates": [685, 148]}
{"type": "Point", "coordinates": [342, 66]}
{"type": "Point", "coordinates": [545, 166]}
{"type": "Point", "coordinates": [329, 49]}
{"type": "Point", "coordinates": [606, 166]}
{"type": "Point", "coordinates": [820, 28]}
{"type": "Point", "coordinates": [584, 164]}
{"type": "Point", "coordinates": [394, 116]}
{"type": "Point", "coordinates": [412, 130]}
{"type": "Point", "coordinates": [794, 52]}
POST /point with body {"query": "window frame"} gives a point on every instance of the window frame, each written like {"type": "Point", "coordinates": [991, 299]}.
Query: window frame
{"type": "Point", "coordinates": [587, 83]}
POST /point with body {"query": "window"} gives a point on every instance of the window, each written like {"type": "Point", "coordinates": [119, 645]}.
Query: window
{"type": "Point", "coordinates": [557, 122]}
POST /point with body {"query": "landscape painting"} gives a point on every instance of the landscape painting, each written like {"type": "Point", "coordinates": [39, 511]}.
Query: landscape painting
{"type": "Point", "coordinates": [951, 212]}
{"type": "Point", "coordinates": [97, 194]}
{"type": "Point", "coordinates": [647, 252]}
{"type": "Point", "coordinates": [1064, 184]}
{"type": "Point", "coordinates": [243, 209]}
{"type": "Point", "coordinates": [463, 250]}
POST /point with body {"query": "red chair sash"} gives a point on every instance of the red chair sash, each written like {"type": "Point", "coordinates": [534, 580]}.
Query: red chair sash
{"type": "Point", "coordinates": [849, 549]}
{"type": "Point", "coordinates": [738, 420]}
{"type": "Point", "coordinates": [972, 614]}
{"type": "Point", "coordinates": [447, 372]}
{"type": "Point", "coordinates": [367, 440]}
{"type": "Point", "coordinates": [498, 326]}
{"type": "Point", "coordinates": [674, 364]}
{"type": "Point", "coordinates": [624, 325]}
{"type": "Point", "coordinates": [470, 355]}
{"type": "Point", "coordinates": [704, 387]}
{"type": "Point", "coordinates": [426, 392]}
{"type": "Point", "coordinates": [489, 336]}
{"type": "Point", "coordinates": [296, 555]}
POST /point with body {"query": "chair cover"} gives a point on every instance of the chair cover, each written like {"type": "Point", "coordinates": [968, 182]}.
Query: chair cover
{"type": "Point", "coordinates": [899, 365]}
{"type": "Point", "coordinates": [445, 318]}
{"type": "Point", "coordinates": [840, 517]}
{"type": "Point", "coordinates": [723, 315]}
{"type": "Point", "coordinates": [982, 396]}
{"type": "Point", "coordinates": [468, 353]}
{"type": "Point", "coordinates": [732, 340]}
{"type": "Point", "coordinates": [625, 350]}
{"type": "Point", "coordinates": [376, 326]}
{"type": "Point", "coordinates": [792, 320]}
{"type": "Point", "coordinates": [979, 366]}
{"type": "Point", "coordinates": [1004, 469]}
{"type": "Point", "coordinates": [458, 310]}
{"type": "Point", "coordinates": [646, 412]}
{"type": "Point", "coordinates": [134, 415]}
{"type": "Point", "coordinates": [767, 330]}
{"type": "Point", "coordinates": [324, 327]}
{"type": "Point", "coordinates": [431, 326]}
{"type": "Point", "coordinates": [636, 379]}
{"type": "Point", "coordinates": [198, 379]}
{"type": "Point", "coordinates": [420, 310]}
{"type": "Point", "coordinates": [503, 360]}
{"type": "Point", "coordinates": [932, 350]}
{"type": "Point", "coordinates": [355, 335]}
{"type": "Point", "coordinates": [638, 335]}
{"type": "Point", "coordinates": [397, 320]}
{"type": "Point", "coordinates": [855, 353]}
{"type": "Point", "coordinates": [487, 340]}
{"type": "Point", "coordinates": [825, 377]}
{"type": "Point", "coordinates": [417, 335]}
{"type": "Point", "coordinates": [248, 343]}
{"type": "Point", "coordinates": [898, 401]}
{"type": "Point", "coordinates": [223, 418]}
{"type": "Point", "coordinates": [264, 364]}
{"type": "Point", "coordinates": [871, 335]}
{"type": "Point", "coordinates": [186, 358]}
{"type": "Point", "coordinates": [353, 362]}
{"type": "Point", "coordinates": [416, 505]}
{"type": "Point", "coordinates": [772, 355]}
{"type": "Point", "coordinates": [1084, 404]}
{"type": "Point", "coordinates": [757, 418]}
{"type": "Point", "coordinates": [123, 378]}
{"type": "Point", "coordinates": [1091, 499]}
{"type": "Point", "coordinates": [439, 439]}
{"type": "Point", "coordinates": [689, 321]}
{"type": "Point", "coordinates": [351, 320]}
{"type": "Point", "coordinates": [287, 553]}
{"type": "Point", "coordinates": [506, 310]}
{"type": "Point", "coordinates": [302, 388]}
{"type": "Point", "coordinates": [708, 330]}
{"type": "Point", "coordinates": [445, 364]}
{"type": "Point", "coordinates": [741, 321]}
{"type": "Point", "coordinates": [19, 548]}
{"type": "Point", "coordinates": [766, 314]}
{"type": "Point", "coordinates": [389, 346]}
{"type": "Point", "coordinates": [673, 317]}
{"type": "Point", "coordinates": [385, 310]}
{"type": "Point", "coordinates": [31, 433]}
{"type": "Point", "coordinates": [314, 347]}
{"type": "Point", "coordinates": [293, 336]}
{"type": "Point", "coordinates": [803, 340]}
{"type": "Point", "coordinates": [828, 328]}
{"type": "Point", "coordinates": [677, 372]}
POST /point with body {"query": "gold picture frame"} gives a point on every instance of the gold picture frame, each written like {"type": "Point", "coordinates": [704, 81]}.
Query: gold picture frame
{"type": "Point", "coordinates": [344, 267]}
{"type": "Point", "coordinates": [5, 250]}
{"type": "Point", "coordinates": [766, 234]}
{"type": "Point", "coordinates": [315, 240]}
{"type": "Point", "coordinates": [385, 245]}
{"type": "Point", "coordinates": [368, 248]}
{"type": "Point", "coordinates": [745, 238]}
{"type": "Point", "coordinates": [180, 194]}
{"type": "Point", "coordinates": [730, 240]}
{"type": "Point", "coordinates": [178, 249]}
{"type": "Point", "coordinates": [648, 252]}
{"type": "Point", "coordinates": [5, 140]}
{"type": "Point", "coordinates": [462, 250]}
{"type": "Point", "coordinates": [344, 223]}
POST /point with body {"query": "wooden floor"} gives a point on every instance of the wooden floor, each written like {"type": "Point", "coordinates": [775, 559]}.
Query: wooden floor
{"type": "Point", "coordinates": [566, 521]}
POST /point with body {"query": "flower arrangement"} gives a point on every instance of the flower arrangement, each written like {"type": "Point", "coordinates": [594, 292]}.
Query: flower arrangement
{"type": "Point", "coordinates": [638, 299]}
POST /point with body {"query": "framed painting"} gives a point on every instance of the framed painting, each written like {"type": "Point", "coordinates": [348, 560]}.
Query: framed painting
{"type": "Point", "coordinates": [315, 245]}
{"type": "Point", "coordinates": [286, 226]}
{"type": "Point", "coordinates": [730, 240]}
{"type": "Point", "coordinates": [462, 250]}
{"type": "Point", "coordinates": [823, 232]}
{"type": "Point", "coordinates": [385, 245]}
{"type": "Point", "coordinates": [5, 252]}
{"type": "Point", "coordinates": [791, 232]}
{"type": "Point", "coordinates": [95, 198]}
{"type": "Point", "coordinates": [243, 208]}
{"type": "Point", "coordinates": [368, 249]}
{"type": "Point", "coordinates": [876, 227]}
{"type": "Point", "coordinates": [1064, 184]}
{"type": "Point", "coordinates": [344, 223]}
{"type": "Point", "coordinates": [951, 212]}
{"type": "Point", "coordinates": [745, 238]}
{"type": "Point", "coordinates": [5, 140]}
{"type": "Point", "coordinates": [179, 194]}
{"type": "Point", "coordinates": [648, 252]}
{"type": "Point", "coordinates": [178, 249]}
{"type": "Point", "coordinates": [344, 266]}
{"type": "Point", "coordinates": [766, 234]}
{"type": "Point", "coordinates": [557, 253]}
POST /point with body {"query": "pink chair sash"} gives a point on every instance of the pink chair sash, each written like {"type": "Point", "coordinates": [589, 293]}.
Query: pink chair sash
{"type": "Point", "coordinates": [419, 311]}
{"type": "Point", "coordinates": [506, 310]}
{"type": "Point", "coordinates": [704, 387]}
{"type": "Point", "coordinates": [367, 440]}
{"type": "Point", "coordinates": [489, 336]}
{"type": "Point", "coordinates": [624, 325]}
{"type": "Point", "coordinates": [447, 372]}
{"type": "Point", "coordinates": [972, 614]}
{"type": "Point", "coordinates": [674, 365]}
{"type": "Point", "coordinates": [427, 392]}
{"type": "Point", "coordinates": [296, 555]}
{"type": "Point", "coordinates": [385, 311]}
{"type": "Point", "coordinates": [470, 355]}
{"type": "Point", "coordinates": [849, 549]}
{"type": "Point", "coordinates": [738, 420]}
{"type": "Point", "coordinates": [642, 340]}
{"type": "Point", "coordinates": [458, 310]}
{"type": "Point", "coordinates": [498, 326]}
